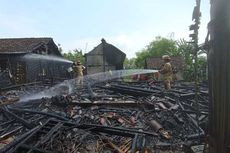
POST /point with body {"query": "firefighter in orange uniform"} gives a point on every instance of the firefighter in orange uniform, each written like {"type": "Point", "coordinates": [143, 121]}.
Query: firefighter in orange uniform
{"type": "Point", "coordinates": [167, 72]}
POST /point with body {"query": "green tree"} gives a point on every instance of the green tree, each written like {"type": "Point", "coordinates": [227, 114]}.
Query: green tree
{"type": "Point", "coordinates": [75, 55]}
{"type": "Point", "coordinates": [157, 48]}
{"type": "Point", "coordinates": [186, 50]}
{"type": "Point", "coordinates": [130, 63]}
{"type": "Point", "coordinates": [140, 60]}
{"type": "Point", "coordinates": [202, 68]}
{"type": "Point", "coordinates": [162, 46]}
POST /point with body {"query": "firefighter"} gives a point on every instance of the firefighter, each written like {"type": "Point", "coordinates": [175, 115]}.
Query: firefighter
{"type": "Point", "coordinates": [166, 71]}
{"type": "Point", "coordinates": [78, 72]}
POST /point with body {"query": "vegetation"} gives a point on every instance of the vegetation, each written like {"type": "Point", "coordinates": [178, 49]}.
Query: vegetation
{"type": "Point", "coordinates": [162, 46]}
{"type": "Point", "coordinates": [130, 63]}
{"type": "Point", "coordinates": [75, 55]}
{"type": "Point", "coordinates": [157, 48]}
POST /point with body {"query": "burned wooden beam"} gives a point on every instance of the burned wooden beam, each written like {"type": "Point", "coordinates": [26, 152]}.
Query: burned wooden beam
{"type": "Point", "coordinates": [115, 129]}
{"type": "Point", "coordinates": [12, 146]}
{"type": "Point", "coordinates": [109, 116]}
{"type": "Point", "coordinates": [38, 112]}
{"type": "Point", "coordinates": [21, 120]}
{"type": "Point", "coordinates": [8, 134]}
{"type": "Point", "coordinates": [19, 86]}
{"type": "Point", "coordinates": [134, 91]}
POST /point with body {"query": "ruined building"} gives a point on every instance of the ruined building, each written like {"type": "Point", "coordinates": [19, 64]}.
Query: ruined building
{"type": "Point", "coordinates": [24, 60]}
{"type": "Point", "coordinates": [103, 58]}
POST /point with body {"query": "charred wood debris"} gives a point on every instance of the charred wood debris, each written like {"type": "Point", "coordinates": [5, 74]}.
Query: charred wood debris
{"type": "Point", "coordinates": [117, 117]}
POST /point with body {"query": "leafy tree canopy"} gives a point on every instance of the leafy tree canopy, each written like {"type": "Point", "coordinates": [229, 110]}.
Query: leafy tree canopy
{"type": "Point", "coordinates": [157, 48]}
{"type": "Point", "coordinates": [162, 46]}
{"type": "Point", "coordinates": [75, 55]}
{"type": "Point", "coordinates": [130, 63]}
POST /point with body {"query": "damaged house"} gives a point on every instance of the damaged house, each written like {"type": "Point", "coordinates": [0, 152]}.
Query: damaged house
{"type": "Point", "coordinates": [103, 58]}
{"type": "Point", "coordinates": [25, 60]}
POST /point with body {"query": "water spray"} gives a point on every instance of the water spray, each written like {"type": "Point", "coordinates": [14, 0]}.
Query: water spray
{"type": "Point", "coordinates": [68, 86]}
{"type": "Point", "coordinates": [45, 57]}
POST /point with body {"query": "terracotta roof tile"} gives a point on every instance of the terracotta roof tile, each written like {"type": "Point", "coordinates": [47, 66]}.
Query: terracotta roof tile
{"type": "Point", "coordinates": [21, 45]}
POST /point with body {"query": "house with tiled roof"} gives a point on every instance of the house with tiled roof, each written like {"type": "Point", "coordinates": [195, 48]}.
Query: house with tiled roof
{"type": "Point", "coordinates": [26, 60]}
{"type": "Point", "coordinates": [28, 45]}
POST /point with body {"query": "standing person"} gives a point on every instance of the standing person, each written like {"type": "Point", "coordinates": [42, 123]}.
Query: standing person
{"type": "Point", "coordinates": [166, 71]}
{"type": "Point", "coordinates": [78, 72]}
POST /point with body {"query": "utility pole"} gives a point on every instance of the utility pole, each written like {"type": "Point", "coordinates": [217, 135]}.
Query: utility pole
{"type": "Point", "coordinates": [219, 77]}
{"type": "Point", "coordinates": [194, 36]}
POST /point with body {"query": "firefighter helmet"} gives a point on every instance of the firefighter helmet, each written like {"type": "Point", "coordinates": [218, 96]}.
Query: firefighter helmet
{"type": "Point", "coordinates": [166, 57]}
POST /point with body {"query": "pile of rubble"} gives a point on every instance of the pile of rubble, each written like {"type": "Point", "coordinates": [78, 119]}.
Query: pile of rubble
{"type": "Point", "coordinates": [116, 117]}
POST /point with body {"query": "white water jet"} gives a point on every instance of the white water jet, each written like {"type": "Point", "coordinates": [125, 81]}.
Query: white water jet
{"type": "Point", "coordinates": [105, 76]}
{"type": "Point", "coordinates": [45, 57]}
{"type": "Point", "coordinates": [67, 87]}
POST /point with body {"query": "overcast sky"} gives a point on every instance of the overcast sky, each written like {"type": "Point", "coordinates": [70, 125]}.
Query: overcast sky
{"type": "Point", "coordinates": [80, 24]}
